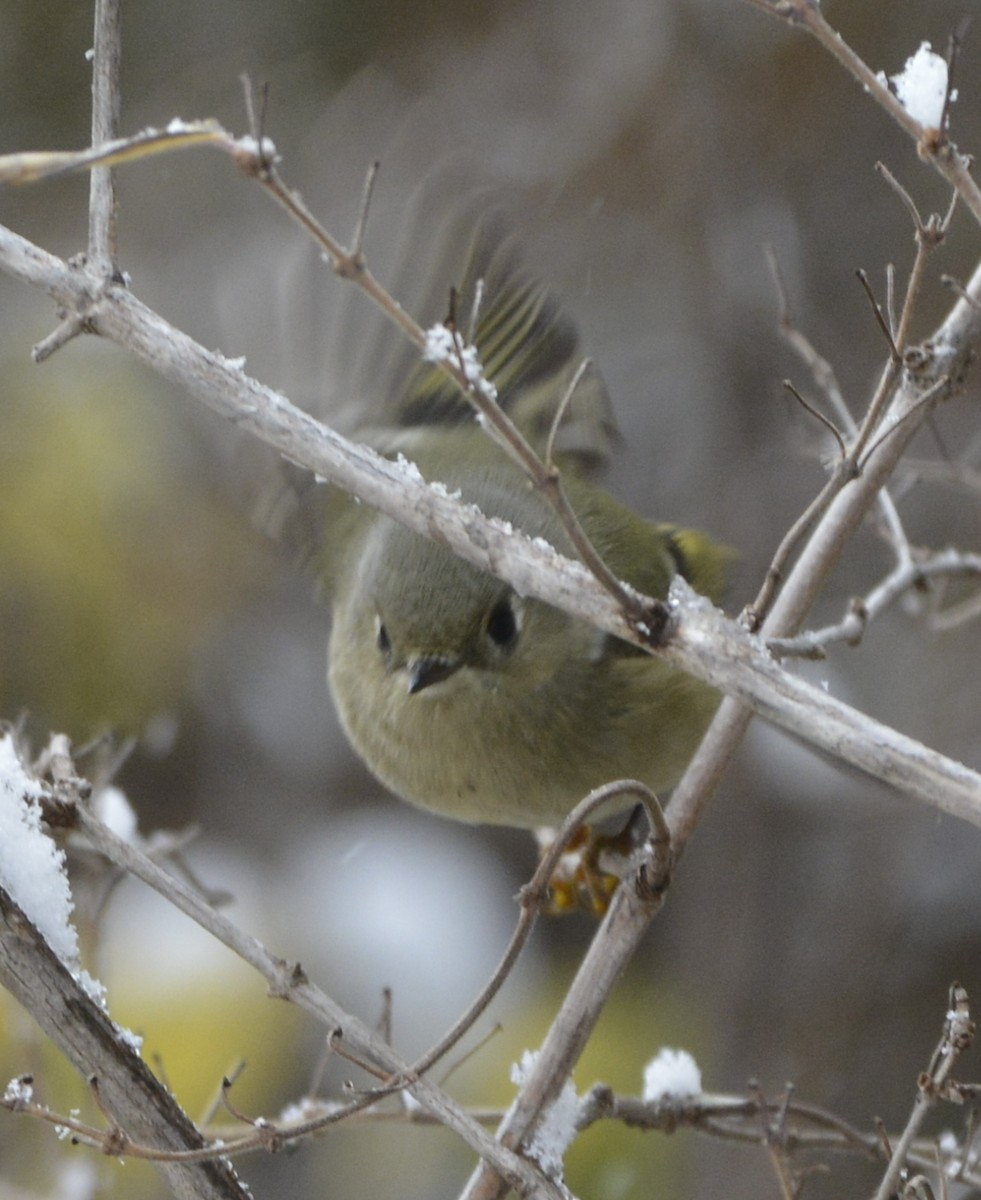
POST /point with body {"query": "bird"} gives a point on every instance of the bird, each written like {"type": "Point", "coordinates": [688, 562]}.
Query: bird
{"type": "Point", "coordinates": [460, 695]}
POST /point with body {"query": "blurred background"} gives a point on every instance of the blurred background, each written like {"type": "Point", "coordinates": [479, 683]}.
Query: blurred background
{"type": "Point", "coordinates": [647, 151]}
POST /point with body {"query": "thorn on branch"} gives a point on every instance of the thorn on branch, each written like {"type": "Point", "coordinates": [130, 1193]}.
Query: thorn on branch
{"type": "Point", "coordinates": [879, 317]}
{"type": "Point", "coordinates": [930, 232]}
{"type": "Point", "coordinates": [361, 225]}
{"type": "Point", "coordinates": [819, 416]}
{"type": "Point", "coordinates": [258, 158]}
{"type": "Point", "coordinates": [268, 1135]}
{"type": "Point", "coordinates": [560, 415]}
{"type": "Point", "coordinates": [954, 44]}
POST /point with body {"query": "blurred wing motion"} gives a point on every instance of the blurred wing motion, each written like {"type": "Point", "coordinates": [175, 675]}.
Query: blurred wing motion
{"type": "Point", "coordinates": [528, 346]}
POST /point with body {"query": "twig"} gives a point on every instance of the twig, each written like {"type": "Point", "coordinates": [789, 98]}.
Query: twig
{"type": "Point", "coordinates": [106, 57]}
{"type": "Point", "coordinates": [533, 896]}
{"type": "Point", "coordinates": [880, 318]}
{"type": "Point", "coordinates": [58, 337]}
{"type": "Point", "coordinates": [826, 380]}
{"type": "Point", "coordinates": [929, 235]}
{"type": "Point", "coordinates": [819, 416]}
{"type": "Point", "coordinates": [755, 613]}
{"type": "Point", "coordinates": [940, 389]}
{"type": "Point", "coordinates": [902, 578]}
{"type": "Point", "coordinates": [607, 956]}
{"type": "Point", "coordinates": [800, 1127]}
{"type": "Point", "coordinates": [773, 1139]}
{"type": "Point", "coordinates": [873, 429]}
{"type": "Point", "coordinates": [546, 478]}
{"type": "Point", "coordinates": [216, 1150]}
{"type": "Point", "coordinates": [953, 787]}
{"type": "Point", "coordinates": [933, 145]}
{"type": "Point", "coordinates": [560, 412]}
{"type": "Point", "coordinates": [957, 1037]}
{"type": "Point", "coordinates": [361, 227]}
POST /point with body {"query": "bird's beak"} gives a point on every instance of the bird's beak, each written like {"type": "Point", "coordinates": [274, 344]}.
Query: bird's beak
{"type": "Point", "coordinates": [424, 672]}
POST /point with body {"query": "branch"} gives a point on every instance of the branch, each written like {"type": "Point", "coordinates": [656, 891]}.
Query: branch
{"type": "Point", "coordinates": [815, 716]}
{"type": "Point", "coordinates": [106, 56]}
{"type": "Point", "coordinates": [946, 353]}
{"type": "Point", "coordinates": [932, 145]}
{"type": "Point", "coordinates": [903, 578]}
{"type": "Point", "coordinates": [128, 1091]}
{"type": "Point", "coordinates": [957, 1037]}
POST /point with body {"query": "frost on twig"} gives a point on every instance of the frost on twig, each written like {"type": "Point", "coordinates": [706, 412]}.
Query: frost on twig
{"type": "Point", "coordinates": [32, 867]}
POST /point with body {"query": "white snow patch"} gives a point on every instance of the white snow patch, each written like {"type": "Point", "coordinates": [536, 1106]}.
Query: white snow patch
{"type": "Point", "coordinates": [557, 1128]}
{"type": "Point", "coordinates": [671, 1075]}
{"type": "Point", "coordinates": [921, 86]}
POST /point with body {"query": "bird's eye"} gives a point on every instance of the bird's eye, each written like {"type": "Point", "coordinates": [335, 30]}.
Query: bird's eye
{"type": "Point", "coordinates": [502, 625]}
{"type": "Point", "coordinates": [383, 640]}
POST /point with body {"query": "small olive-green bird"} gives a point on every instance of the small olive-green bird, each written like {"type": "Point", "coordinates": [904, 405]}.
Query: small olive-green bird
{"type": "Point", "coordinates": [460, 695]}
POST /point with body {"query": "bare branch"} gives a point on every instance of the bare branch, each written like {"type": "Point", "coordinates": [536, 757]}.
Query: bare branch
{"type": "Point", "coordinates": [533, 898]}
{"type": "Point", "coordinates": [819, 416]}
{"type": "Point", "coordinates": [851, 629]}
{"type": "Point", "coordinates": [933, 145]}
{"type": "Point", "coordinates": [872, 430]}
{"type": "Point", "coordinates": [127, 1090]}
{"type": "Point", "coordinates": [106, 58]}
{"type": "Point", "coordinates": [957, 1036]}
{"type": "Point", "coordinates": [826, 381]}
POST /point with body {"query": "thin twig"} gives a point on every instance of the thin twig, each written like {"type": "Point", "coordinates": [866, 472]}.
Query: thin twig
{"type": "Point", "coordinates": [361, 227]}
{"type": "Point", "coordinates": [533, 897]}
{"type": "Point", "coordinates": [826, 380]}
{"type": "Point", "coordinates": [925, 401]}
{"type": "Point", "coordinates": [957, 1036]}
{"type": "Point", "coordinates": [609, 952]}
{"type": "Point", "coordinates": [816, 413]}
{"type": "Point", "coordinates": [106, 103]}
{"type": "Point", "coordinates": [821, 369]}
{"type": "Point", "coordinates": [934, 146]}
{"type": "Point", "coordinates": [772, 1138]}
{"type": "Point", "coordinates": [880, 317]}
{"type": "Point", "coordinates": [755, 613]}
{"type": "Point", "coordinates": [871, 432]}
{"type": "Point", "coordinates": [61, 336]}
{"type": "Point", "coordinates": [560, 413]}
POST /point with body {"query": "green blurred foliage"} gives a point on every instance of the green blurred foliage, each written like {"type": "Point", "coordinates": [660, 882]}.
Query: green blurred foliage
{"type": "Point", "coordinates": [116, 557]}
